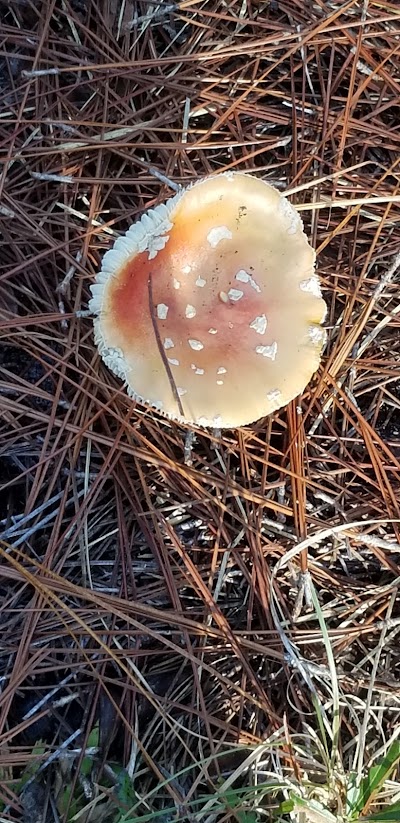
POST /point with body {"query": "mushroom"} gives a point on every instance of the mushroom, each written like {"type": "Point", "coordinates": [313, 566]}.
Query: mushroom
{"type": "Point", "coordinates": [209, 307]}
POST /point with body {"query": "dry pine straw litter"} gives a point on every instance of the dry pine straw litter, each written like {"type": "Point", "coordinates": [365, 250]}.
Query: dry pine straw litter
{"type": "Point", "coordinates": [139, 589]}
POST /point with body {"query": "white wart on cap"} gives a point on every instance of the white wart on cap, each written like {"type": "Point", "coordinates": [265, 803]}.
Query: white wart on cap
{"type": "Point", "coordinates": [209, 307]}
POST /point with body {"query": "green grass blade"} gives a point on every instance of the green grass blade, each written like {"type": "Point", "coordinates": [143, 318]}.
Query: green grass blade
{"type": "Point", "coordinates": [376, 777]}
{"type": "Point", "coordinates": [389, 815]}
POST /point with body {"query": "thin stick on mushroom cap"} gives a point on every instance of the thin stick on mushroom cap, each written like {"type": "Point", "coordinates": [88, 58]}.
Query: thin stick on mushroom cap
{"type": "Point", "coordinates": [209, 307]}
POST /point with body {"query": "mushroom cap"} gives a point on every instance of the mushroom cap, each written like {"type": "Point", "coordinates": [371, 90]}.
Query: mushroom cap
{"type": "Point", "coordinates": [209, 307]}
